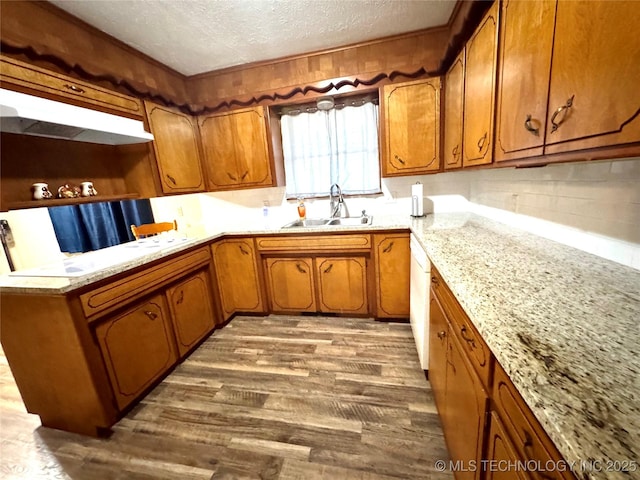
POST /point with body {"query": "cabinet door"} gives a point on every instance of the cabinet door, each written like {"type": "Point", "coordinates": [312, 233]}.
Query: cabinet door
{"type": "Point", "coordinates": [191, 311]}
{"type": "Point", "coordinates": [137, 348]}
{"type": "Point", "coordinates": [411, 134]}
{"type": "Point", "coordinates": [342, 284]}
{"type": "Point", "coordinates": [218, 149]}
{"type": "Point", "coordinates": [479, 91]}
{"type": "Point", "coordinates": [237, 276]}
{"type": "Point", "coordinates": [464, 418]}
{"type": "Point", "coordinates": [291, 285]}
{"type": "Point", "coordinates": [438, 346]}
{"type": "Point", "coordinates": [393, 264]}
{"type": "Point", "coordinates": [175, 146]}
{"type": "Point", "coordinates": [500, 451]}
{"type": "Point", "coordinates": [594, 98]}
{"type": "Point", "coordinates": [252, 147]}
{"type": "Point", "coordinates": [453, 102]}
{"type": "Point", "coordinates": [523, 79]}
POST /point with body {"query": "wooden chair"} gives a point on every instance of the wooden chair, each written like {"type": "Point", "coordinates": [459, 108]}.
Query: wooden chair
{"type": "Point", "coordinates": [153, 229]}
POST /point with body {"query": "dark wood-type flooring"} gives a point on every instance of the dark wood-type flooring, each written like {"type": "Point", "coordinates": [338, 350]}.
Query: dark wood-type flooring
{"type": "Point", "coordinates": [265, 397]}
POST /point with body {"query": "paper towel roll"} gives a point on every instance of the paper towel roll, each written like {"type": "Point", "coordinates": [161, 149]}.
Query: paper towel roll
{"type": "Point", "coordinates": [417, 199]}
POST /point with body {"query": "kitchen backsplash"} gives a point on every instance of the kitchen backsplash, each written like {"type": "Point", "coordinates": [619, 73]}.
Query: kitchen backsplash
{"type": "Point", "coordinates": [598, 201]}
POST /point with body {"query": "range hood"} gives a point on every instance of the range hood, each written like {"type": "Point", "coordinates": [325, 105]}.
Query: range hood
{"type": "Point", "coordinates": [29, 115]}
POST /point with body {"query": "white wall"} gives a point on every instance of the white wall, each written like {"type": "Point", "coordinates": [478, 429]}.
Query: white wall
{"type": "Point", "coordinates": [598, 199]}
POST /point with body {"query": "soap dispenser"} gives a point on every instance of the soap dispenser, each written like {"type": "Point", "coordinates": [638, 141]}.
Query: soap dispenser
{"type": "Point", "coordinates": [302, 209]}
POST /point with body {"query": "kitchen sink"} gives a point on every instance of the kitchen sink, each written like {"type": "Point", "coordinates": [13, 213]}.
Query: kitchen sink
{"type": "Point", "coordinates": [330, 222]}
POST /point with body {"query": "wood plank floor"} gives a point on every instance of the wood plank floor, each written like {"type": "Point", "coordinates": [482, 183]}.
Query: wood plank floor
{"type": "Point", "coordinates": [273, 397]}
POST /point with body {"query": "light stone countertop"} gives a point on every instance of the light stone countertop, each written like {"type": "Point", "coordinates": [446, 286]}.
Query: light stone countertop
{"type": "Point", "coordinates": [563, 324]}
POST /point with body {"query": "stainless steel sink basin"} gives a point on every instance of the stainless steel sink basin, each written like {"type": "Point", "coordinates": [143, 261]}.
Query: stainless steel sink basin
{"type": "Point", "coordinates": [329, 222]}
{"type": "Point", "coordinates": [351, 221]}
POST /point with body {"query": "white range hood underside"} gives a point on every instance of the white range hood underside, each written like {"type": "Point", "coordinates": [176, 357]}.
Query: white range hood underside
{"type": "Point", "coordinates": [29, 115]}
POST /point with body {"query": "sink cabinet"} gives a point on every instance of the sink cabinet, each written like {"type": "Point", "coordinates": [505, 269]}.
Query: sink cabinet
{"type": "Point", "coordinates": [290, 284]}
{"type": "Point", "coordinates": [342, 284]}
{"type": "Point", "coordinates": [317, 273]}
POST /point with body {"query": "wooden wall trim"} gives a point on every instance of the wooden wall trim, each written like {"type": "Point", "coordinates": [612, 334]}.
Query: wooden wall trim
{"type": "Point", "coordinates": [43, 34]}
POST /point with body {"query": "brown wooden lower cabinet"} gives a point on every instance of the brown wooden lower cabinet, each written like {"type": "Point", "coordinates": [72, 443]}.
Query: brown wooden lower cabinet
{"type": "Point", "coordinates": [137, 348]}
{"type": "Point", "coordinates": [466, 406]}
{"type": "Point", "coordinates": [392, 265]}
{"type": "Point", "coordinates": [466, 380]}
{"type": "Point", "coordinates": [291, 285]}
{"type": "Point", "coordinates": [81, 358]}
{"type": "Point", "coordinates": [501, 454]}
{"type": "Point", "coordinates": [238, 280]}
{"type": "Point", "coordinates": [342, 284]}
{"type": "Point", "coordinates": [438, 345]}
{"type": "Point", "coordinates": [191, 310]}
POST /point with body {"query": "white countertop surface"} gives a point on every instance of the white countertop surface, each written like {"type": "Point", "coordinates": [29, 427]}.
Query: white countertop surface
{"type": "Point", "coordinates": [564, 324]}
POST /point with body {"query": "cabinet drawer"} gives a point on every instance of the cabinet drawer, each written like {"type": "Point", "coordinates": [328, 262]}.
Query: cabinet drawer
{"type": "Point", "coordinates": [119, 292]}
{"type": "Point", "coordinates": [472, 343]}
{"type": "Point", "coordinates": [528, 436]}
{"type": "Point", "coordinates": [315, 243]}
{"type": "Point", "coordinates": [35, 78]}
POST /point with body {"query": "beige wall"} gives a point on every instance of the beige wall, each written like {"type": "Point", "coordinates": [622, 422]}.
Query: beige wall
{"type": "Point", "coordinates": [598, 197]}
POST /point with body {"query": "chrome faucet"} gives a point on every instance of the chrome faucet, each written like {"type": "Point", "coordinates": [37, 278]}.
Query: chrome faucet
{"type": "Point", "coordinates": [336, 202]}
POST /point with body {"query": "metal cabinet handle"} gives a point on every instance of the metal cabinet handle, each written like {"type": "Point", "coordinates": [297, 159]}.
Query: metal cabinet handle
{"type": "Point", "coordinates": [399, 159]}
{"type": "Point", "coordinates": [244, 175]}
{"type": "Point", "coordinates": [454, 152]}
{"type": "Point", "coordinates": [466, 338]}
{"type": "Point", "coordinates": [482, 141]}
{"type": "Point", "coordinates": [300, 269]}
{"type": "Point", "coordinates": [232, 177]}
{"type": "Point", "coordinates": [328, 269]}
{"type": "Point", "coordinates": [531, 128]}
{"type": "Point", "coordinates": [242, 250]}
{"type": "Point", "coordinates": [73, 88]}
{"type": "Point", "coordinates": [171, 179]}
{"type": "Point", "coordinates": [180, 297]}
{"type": "Point", "coordinates": [563, 108]}
{"type": "Point", "coordinates": [388, 248]}
{"type": "Point", "coordinates": [435, 281]}
{"type": "Point", "coordinates": [442, 335]}
{"type": "Point", "coordinates": [151, 314]}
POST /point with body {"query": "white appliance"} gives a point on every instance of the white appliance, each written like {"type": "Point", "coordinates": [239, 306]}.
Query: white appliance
{"type": "Point", "coordinates": [419, 300]}
{"type": "Point", "coordinates": [30, 115]}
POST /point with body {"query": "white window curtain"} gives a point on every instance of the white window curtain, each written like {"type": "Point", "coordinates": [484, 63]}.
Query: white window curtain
{"type": "Point", "coordinates": [335, 146]}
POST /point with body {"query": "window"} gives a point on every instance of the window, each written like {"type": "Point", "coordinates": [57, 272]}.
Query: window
{"type": "Point", "coordinates": [92, 226]}
{"type": "Point", "coordinates": [323, 147]}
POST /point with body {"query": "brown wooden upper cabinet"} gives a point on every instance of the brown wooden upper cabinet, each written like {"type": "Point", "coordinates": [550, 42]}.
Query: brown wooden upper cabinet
{"type": "Point", "coordinates": [479, 91]}
{"type": "Point", "coordinates": [410, 128]}
{"type": "Point", "coordinates": [568, 77]}
{"type": "Point", "coordinates": [176, 149]}
{"type": "Point", "coordinates": [453, 102]}
{"type": "Point", "coordinates": [236, 149]}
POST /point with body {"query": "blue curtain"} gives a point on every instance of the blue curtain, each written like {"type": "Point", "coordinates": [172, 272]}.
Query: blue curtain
{"type": "Point", "coordinates": [92, 226]}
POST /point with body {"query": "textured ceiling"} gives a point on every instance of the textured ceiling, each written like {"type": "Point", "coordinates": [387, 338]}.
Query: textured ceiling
{"type": "Point", "coordinates": [195, 36]}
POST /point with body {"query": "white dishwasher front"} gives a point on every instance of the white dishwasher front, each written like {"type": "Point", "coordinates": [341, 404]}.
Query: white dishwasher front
{"type": "Point", "coordinates": [419, 300]}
